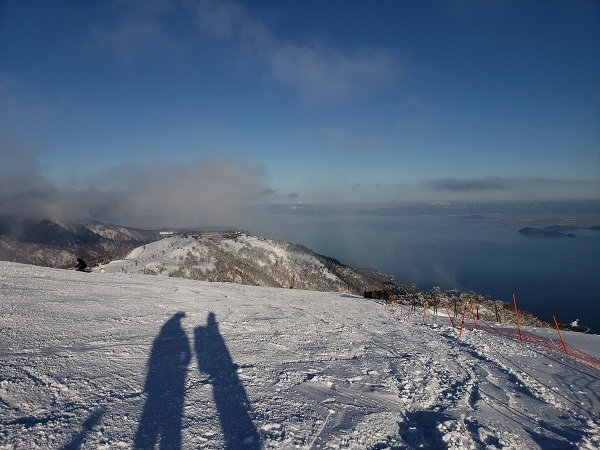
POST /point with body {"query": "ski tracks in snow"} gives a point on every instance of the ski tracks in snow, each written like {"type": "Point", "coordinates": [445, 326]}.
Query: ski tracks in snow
{"type": "Point", "coordinates": [500, 383]}
{"type": "Point", "coordinates": [442, 391]}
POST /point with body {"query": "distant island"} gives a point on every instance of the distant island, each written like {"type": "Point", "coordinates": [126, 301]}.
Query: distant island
{"type": "Point", "coordinates": [555, 230]}
{"type": "Point", "coordinates": [530, 231]}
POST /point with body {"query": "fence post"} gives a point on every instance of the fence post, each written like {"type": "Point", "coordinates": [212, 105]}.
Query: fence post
{"type": "Point", "coordinates": [560, 335]}
{"type": "Point", "coordinates": [462, 324]}
{"type": "Point", "coordinates": [449, 317]}
{"type": "Point", "coordinates": [474, 316]}
{"type": "Point", "coordinates": [517, 317]}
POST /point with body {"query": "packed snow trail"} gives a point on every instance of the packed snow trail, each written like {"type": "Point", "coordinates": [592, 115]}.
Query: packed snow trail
{"type": "Point", "coordinates": [124, 361]}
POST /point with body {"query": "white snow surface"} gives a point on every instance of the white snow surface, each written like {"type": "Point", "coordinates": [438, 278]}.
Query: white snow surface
{"type": "Point", "coordinates": [115, 360]}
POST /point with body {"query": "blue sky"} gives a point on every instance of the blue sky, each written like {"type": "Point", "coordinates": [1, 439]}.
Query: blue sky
{"type": "Point", "coordinates": [226, 103]}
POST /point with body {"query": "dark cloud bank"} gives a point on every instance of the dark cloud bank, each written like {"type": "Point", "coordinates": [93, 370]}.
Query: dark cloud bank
{"type": "Point", "coordinates": [466, 185]}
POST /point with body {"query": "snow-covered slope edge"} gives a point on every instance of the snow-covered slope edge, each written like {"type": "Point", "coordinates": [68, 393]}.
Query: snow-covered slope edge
{"type": "Point", "coordinates": [106, 360]}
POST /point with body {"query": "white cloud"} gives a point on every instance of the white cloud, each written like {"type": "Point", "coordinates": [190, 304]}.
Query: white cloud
{"type": "Point", "coordinates": [327, 73]}
{"type": "Point", "coordinates": [139, 27]}
{"type": "Point", "coordinates": [315, 69]}
{"type": "Point", "coordinates": [228, 20]}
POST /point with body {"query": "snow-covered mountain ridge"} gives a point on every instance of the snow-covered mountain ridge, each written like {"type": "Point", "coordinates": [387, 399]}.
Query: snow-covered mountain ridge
{"type": "Point", "coordinates": [244, 259]}
{"type": "Point", "coordinates": [121, 360]}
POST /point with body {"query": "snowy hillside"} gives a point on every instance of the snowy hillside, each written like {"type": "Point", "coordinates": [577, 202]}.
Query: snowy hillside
{"type": "Point", "coordinates": [58, 244]}
{"type": "Point", "coordinates": [122, 360]}
{"type": "Point", "coordinates": [243, 259]}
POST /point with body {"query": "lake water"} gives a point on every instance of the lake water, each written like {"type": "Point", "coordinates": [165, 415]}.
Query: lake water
{"type": "Point", "coordinates": [549, 276]}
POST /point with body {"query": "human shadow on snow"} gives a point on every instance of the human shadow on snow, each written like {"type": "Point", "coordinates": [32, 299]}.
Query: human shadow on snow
{"type": "Point", "coordinates": [230, 397]}
{"type": "Point", "coordinates": [165, 388]}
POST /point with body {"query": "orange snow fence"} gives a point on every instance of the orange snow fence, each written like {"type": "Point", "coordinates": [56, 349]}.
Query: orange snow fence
{"type": "Point", "coordinates": [541, 341]}
{"type": "Point", "coordinates": [449, 317]}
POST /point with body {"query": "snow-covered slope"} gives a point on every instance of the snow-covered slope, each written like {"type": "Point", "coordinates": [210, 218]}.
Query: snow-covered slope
{"type": "Point", "coordinates": [121, 360]}
{"type": "Point", "coordinates": [242, 259]}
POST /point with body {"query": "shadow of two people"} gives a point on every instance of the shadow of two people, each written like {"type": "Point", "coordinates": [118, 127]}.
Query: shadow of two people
{"type": "Point", "coordinates": [161, 420]}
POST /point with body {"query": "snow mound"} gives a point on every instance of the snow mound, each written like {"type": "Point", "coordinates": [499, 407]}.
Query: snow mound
{"type": "Point", "coordinates": [121, 360]}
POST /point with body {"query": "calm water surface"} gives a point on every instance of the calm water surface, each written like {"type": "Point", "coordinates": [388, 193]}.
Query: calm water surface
{"type": "Point", "coordinates": [548, 275]}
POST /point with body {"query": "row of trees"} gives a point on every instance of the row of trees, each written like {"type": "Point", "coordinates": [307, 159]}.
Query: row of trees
{"type": "Point", "coordinates": [453, 302]}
